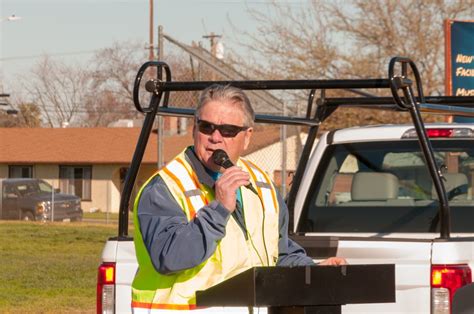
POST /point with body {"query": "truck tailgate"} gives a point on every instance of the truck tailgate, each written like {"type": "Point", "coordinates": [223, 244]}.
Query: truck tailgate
{"type": "Point", "coordinates": [412, 259]}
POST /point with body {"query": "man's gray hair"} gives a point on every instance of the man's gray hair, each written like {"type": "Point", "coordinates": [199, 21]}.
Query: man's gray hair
{"type": "Point", "coordinates": [228, 93]}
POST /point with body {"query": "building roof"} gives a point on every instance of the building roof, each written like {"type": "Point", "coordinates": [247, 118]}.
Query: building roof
{"type": "Point", "coordinates": [97, 145]}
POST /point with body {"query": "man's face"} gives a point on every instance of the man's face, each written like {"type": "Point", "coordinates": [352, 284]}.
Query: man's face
{"type": "Point", "coordinates": [218, 112]}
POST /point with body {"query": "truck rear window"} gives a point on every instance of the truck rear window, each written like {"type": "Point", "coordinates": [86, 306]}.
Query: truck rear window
{"type": "Point", "coordinates": [385, 187]}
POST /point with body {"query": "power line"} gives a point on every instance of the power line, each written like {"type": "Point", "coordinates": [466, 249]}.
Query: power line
{"type": "Point", "coordinates": [52, 54]}
{"type": "Point", "coordinates": [52, 110]}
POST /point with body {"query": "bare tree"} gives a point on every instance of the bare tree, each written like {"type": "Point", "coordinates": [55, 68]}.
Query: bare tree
{"type": "Point", "coordinates": [378, 30]}
{"type": "Point", "coordinates": [28, 116]}
{"type": "Point", "coordinates": [8, 120]}
{"type": "Point", "coordinates": [115, 68]}
{"type": "Point", "coordinates": [103, 107]}
{"type": "Point", "coordinates": [351, 39]}
{"type": "Point", "coordinates": [290, 42]}
{"type": "Point", "coordinates": [60, 91]}
{"type": "Point", "coordinates": [111, 95]}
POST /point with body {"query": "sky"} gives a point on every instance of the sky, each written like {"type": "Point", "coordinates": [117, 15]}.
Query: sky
{"type": "Point", "coordinates": [73, 30]}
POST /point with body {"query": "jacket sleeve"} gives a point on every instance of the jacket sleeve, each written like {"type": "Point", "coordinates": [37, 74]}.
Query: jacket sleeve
{"type": "Point", "coordinates": [290, 253]}
{"type": "Point", "coordinates": [173, 242]}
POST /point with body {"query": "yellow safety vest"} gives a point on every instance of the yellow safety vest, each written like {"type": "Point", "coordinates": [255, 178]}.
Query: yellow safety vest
{"type": "Point", "coordinates": [234, 253]}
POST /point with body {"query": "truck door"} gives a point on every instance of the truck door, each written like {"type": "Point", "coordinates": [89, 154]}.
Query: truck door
{"type": "Point", "coordinates": [10, 202]}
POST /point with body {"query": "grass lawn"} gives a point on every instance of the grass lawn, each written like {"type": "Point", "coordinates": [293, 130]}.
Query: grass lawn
{"type": "Point", "coordinates": [102, 215]}
{"type": "Point", "coordinates": [50, 267]}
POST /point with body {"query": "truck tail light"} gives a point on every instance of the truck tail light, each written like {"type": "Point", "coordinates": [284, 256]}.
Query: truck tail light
{"type": "Point", "coordinates": [106, 288]}
{"type": "Point", "coordinates": [445, 280]}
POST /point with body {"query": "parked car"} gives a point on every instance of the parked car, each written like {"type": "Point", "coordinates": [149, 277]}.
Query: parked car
{"type": "Point", "coordinates": [35, 199]}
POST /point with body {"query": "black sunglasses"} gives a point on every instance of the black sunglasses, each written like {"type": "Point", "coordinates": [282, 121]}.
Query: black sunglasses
{"type": "Point", "coordinates": [226, 130]}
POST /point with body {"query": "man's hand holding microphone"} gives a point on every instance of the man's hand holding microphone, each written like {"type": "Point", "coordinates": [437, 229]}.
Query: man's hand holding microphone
{"type": "Point", "coordinates": [232, 178]}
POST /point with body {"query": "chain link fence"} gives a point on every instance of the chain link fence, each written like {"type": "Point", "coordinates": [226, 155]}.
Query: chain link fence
{"type": "Point", "coordinates": [278, 157]}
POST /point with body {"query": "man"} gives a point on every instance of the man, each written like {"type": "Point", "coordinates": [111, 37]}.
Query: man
{"type": "Point", "coordinates": [196, 223]}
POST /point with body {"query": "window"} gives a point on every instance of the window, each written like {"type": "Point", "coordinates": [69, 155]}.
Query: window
{"type": "Point", "coordinates": [20, 171]}
{"type": "Point", "coordinates": [76, 180]}
{"type": "Point", "coordinates": [33, 187]}
{"type": "Point", "coordinates": [385, 188]}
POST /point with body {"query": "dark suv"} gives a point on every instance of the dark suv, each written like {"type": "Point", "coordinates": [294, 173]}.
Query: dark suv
{"type": "Point", "coordinates": [35, 199]}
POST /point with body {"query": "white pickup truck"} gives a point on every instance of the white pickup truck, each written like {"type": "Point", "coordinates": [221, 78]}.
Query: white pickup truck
{"type": "Point", "coordinates": [389, 194]}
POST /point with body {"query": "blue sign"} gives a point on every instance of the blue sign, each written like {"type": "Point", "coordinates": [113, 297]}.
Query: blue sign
{"type": "Point", "coordinates": [462, 61]}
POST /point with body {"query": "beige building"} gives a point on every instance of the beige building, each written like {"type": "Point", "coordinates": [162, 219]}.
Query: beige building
{"type": "Point", "coordinates": [89, 162]}
{"type": "Point", "coordinates": [92, 162]}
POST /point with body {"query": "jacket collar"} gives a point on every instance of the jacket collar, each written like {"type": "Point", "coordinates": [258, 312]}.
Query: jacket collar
{"type": "Point", "coordinates": [199, 168]}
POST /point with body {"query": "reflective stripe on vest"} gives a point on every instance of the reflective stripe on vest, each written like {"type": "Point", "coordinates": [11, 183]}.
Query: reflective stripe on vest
{"type": "Point", "coordinates": [212, 310]}
{"type": "Point", "coordinates": [264, 186]}
{"type": "Point", "coordinates": [150, 307]}
{"type": "Point", "coordinates": [184, 178]}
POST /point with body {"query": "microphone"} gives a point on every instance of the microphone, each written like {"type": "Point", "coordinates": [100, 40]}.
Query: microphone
{"type": "Point", "coordinates": [221, 158]}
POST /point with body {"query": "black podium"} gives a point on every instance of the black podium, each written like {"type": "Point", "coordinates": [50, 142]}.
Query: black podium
{"type": "Point", "coordinates": [304, 289]}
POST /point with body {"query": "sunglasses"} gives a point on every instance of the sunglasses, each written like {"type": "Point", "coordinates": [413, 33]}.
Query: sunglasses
{"type": "Point", "coordinates": [226, 130]}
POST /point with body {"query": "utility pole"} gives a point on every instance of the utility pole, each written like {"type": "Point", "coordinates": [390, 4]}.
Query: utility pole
{"type": "Point", "coordinates": [151, 55]}
{"type": "Point", "coordinates": [212, 38]}
{"type": "Point", "coordinates": [160, 43]}
{"type": "Point", "coordinates": [160, 119]}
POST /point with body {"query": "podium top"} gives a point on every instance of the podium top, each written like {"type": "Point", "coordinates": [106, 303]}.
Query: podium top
{"type": "Point", "coordinates": [304, 286]}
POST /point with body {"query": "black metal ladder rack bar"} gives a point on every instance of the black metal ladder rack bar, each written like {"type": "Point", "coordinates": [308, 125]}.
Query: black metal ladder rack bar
{"type": "Point", "coordinates": [161, 89]}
